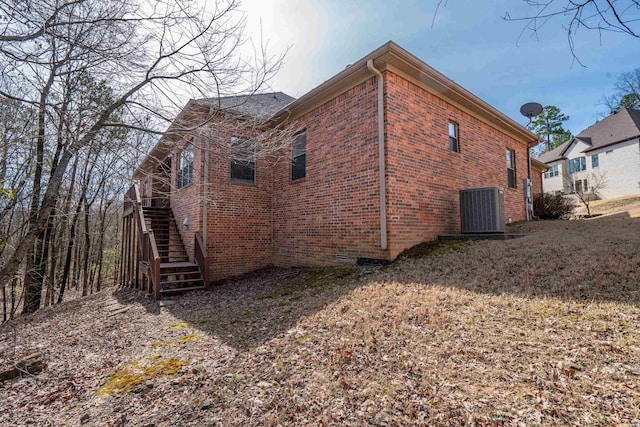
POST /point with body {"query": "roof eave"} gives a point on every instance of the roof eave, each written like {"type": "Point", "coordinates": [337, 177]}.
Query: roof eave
{"type": "Point", "coordinates": [392, 57]}
{"type": "Point", "coordinates": [159, 151]}
{"type": "Point", "coordinates": [611, 143]}
{"type": "Point", "coordinates": [539, 165]}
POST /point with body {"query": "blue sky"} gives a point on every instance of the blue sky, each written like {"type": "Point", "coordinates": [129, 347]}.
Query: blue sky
{"type": "Point", "coordinates": [469, 43]}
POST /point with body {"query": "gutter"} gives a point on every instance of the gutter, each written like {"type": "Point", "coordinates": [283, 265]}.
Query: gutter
{"type": "Point", "coordinates": [529, 190]}
{"type": "Point", "coordinates": [381, 156]}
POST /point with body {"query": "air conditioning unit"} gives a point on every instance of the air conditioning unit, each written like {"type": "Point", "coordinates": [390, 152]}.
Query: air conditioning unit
{"type": "Point", "coordinates": [482, 210]}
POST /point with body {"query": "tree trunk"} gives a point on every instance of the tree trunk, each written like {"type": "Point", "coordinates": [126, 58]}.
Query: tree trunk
{"type": "Point", "coordinates": [86, 251]}
{"type": "Point", "coordinates": [33, 278]}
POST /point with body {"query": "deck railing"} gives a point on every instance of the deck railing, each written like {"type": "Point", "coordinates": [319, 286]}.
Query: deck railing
{"type": "Point", "coordinates": [147, 250]}
{"type": "Point", "coordinates": [202, 258]}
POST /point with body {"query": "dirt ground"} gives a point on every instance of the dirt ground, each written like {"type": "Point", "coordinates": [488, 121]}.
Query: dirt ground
{"type": "Point", "coordinates": [538, 330]}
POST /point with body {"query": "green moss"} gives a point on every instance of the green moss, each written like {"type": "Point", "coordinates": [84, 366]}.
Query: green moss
{"type": "Point", "coordinates": [327, 275]}
{"type": "Point", "coordinates": [165, 367]}
{"type": "Point", "coordinates": [434, 248]}
{"type": "Point", "coordinates": [180, 325]}
{"type": "Point", "coordinates": [180, 340]}
{"type": "Point", "coordinates": [207, 320]}
{"type": "Point", "coordinates": [310, 279]}
{"type": "Point", "coordinates": [127, 379]}
{"type": "Point", "coordinates": [303, 338]}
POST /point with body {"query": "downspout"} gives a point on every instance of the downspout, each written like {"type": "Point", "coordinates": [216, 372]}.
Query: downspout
{"type": "Point", "coordinates": [381, 156]}
{"type": "Point", "coordinates": [529, 199]}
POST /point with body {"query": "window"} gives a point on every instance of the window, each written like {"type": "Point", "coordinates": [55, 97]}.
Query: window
{"type": "Point", "coordinates": [243, 162]}
{"type": "Point", "coordinates": [299, 156]}
{"type": "Point", "coordinates": [594, 161]}
{"type": "Point", "coordinates": [580, 186]}
{"type": "Point", "coordinates": [553, 171]}
{"type": "Point", "coordinates": [453, 137]}
{"type": "Point", "coordinates": [511, 168]}
{"type": "Point", "coordinates": [185, 166]}
{"type": "Point", "coordinates": [578, 164]}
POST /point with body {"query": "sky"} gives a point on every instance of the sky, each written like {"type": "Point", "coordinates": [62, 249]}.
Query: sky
{"type": "Point", "coordinates": [468, 41]}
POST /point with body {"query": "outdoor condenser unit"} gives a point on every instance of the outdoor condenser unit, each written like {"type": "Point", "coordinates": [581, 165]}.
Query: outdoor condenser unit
{"type": "Point", "coordinates": [482, 210]}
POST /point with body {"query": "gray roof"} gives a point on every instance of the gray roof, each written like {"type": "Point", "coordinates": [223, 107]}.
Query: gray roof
{"type": "Point", "coordinates": [555, 154]}
{"type": "Point", "coordinates": [259, 105]}
{"type": "Point", "coordinates": [620, 126]}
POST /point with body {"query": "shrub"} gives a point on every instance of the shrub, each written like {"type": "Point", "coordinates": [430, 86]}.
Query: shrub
{"type": "Point", "coordinates": [547, 206]}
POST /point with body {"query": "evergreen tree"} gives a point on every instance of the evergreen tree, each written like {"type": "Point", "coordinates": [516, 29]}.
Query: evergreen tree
{"type": "Point", "coordinates": [548, 125]}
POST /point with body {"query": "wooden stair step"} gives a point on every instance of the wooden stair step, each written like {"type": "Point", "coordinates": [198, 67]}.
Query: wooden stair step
{"type": "Point", "coordinates": [168, 280]}
{"type": "Point", "coordinates": [194, 288]}
{"type": "Point", "coordinates": [180, 273]}
{"type": "Point", "coordinates": [177, 264]}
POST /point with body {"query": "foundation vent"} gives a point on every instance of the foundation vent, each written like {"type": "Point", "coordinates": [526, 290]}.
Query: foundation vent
{"type": "Point", "coordinates": [342, 257]}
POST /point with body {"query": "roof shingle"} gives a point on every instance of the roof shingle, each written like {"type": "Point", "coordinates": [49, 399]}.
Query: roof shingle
{"type": "Point", "coordinates": [258, 105]}
{"type": "Point", "coordinates": [618, 127]}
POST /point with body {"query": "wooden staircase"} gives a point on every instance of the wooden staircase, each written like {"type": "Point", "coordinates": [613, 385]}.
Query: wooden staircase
{"type": "Point", "coordinates": [153, 248]}
{"type": "Point", "coordinates": [177, 274]}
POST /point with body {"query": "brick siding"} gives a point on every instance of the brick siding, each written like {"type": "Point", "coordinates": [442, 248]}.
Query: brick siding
{"type": "Point", "coordinates": [424, 176]}
{"type": "Point", "coordinates": [334, 210]}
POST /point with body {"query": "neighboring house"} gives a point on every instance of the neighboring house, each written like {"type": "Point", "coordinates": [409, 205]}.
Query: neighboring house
{"type": "Point", "coordinates": [374, 164]}
{"type": "Point", "coordinates": [604, 157]}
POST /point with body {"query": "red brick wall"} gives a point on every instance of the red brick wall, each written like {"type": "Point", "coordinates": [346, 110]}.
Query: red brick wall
{"type": "Point", "coordinates": [239, 217]}
{"type": "Point", "coordinates": [424, 176]}
{"type": "Point", "coordinates": [335, 208]}
{"type": "Point", "coordinates": [185, 201]}
{"type": "Point", "coordinates": [536, 181]}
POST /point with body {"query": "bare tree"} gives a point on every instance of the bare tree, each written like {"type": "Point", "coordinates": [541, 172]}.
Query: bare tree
{"type": "Point", "coordinates": [587, 186]}
{"type": "Point", "coordinates": [627, 92]}
{"type": "Point", "coordinates": [617, 16]}
{"type": "Point", "coordinates": [147, 52]}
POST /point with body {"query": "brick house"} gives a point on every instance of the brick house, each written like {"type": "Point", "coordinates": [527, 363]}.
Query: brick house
{"type": "Point", "coordinates": [374, 164]}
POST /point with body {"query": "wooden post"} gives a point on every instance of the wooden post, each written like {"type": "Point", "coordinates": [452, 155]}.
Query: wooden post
{"type": "Point", "coordinates": [125, 250]}
{"type": "Point", "coordinates": [119, 275]}
{"type": "Point", "coordinates": [130, 260]}
{"type": "Point", "coordinates": [136, 257]}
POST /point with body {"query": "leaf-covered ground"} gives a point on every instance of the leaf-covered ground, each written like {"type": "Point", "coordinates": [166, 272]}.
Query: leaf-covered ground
{"type": "Point", "coordinates": [539, 330]}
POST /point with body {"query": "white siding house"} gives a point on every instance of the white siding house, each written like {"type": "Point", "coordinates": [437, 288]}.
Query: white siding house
{"type": "Point", "coordinates": [621, 162]}
{"type": "Point", "coordinates": [604, 159]}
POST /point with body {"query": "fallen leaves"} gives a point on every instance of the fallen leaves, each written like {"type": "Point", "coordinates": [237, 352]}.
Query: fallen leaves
{"type": "Point", "coordinates": [451, 338]}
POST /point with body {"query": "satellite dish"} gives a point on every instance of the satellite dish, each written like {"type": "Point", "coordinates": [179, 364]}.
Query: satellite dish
{"type": "Point", "coordinates": [531, 109]}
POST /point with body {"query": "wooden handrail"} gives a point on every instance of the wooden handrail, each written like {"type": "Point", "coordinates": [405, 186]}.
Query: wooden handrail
{"type": "Point", "coordinates": [202, 259]}
{"type": "Point", "coordinates": [147, 248]}
{"type": "Point", "coordinates": [155, 265]}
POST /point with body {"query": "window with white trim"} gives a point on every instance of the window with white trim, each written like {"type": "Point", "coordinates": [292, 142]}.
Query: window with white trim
{"type": "Point", "coordinates": [553, 171]}
{"type": "Point", "coordinates": [453, 137]}
{"type": "Point", "coordinates": [299, 156]}
{"type": "Point", "coordinates": [185, 166]}
{"type": "Point", "coordinates": [511, 168]}
{"type": "Point", "coordinates": [577, 165]}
